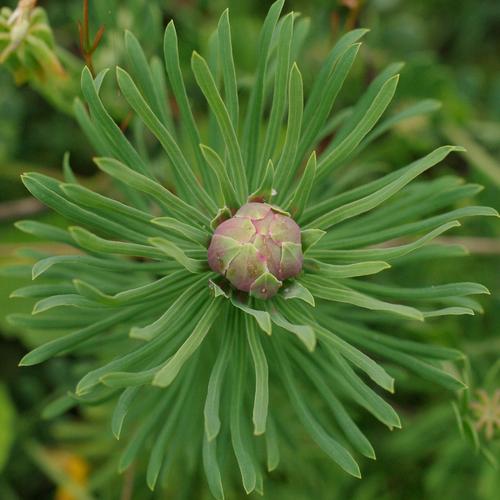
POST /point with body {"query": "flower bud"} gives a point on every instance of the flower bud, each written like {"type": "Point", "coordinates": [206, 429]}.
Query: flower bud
{"type": "Point", "coordinates": [257, 249]}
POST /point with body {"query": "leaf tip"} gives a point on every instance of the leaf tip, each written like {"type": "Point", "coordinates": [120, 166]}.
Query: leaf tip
{"type": "Point", "coordinates": [26, 360]}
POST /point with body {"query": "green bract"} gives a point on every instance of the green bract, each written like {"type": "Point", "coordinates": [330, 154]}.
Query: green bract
{"type": "Point", "coordinates": [195, 368]}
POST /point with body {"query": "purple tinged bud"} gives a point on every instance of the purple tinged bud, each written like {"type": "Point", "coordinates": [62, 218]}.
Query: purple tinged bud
{"type": "Point", "coordinates": [257, 249]}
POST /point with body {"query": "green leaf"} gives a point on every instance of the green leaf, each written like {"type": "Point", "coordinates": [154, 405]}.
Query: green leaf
{"type": "Point", "coordinates": [70, 341]}
{"type": "Point", "coordinates": [342, 417]}
{"type": "Point", "coordinates": [320, 84]}
{"type": "Point", "coordinates": [170, 370]}
{"type": "Point", "coordinates": [170, 424]}
{"type": "Point", "coordinates": [183, 210]}
{"type": "Point", "coordinates": [216, 290]}
{"type": "Point", "coordinates": [69, 299]}
{"type": "Point", "coordinates": [346, 270]}
{"type": "Point", "coordinates": [143, 75]}
{"type": "Point", "coordinates": [46, 190]}
{"type": "Point", "coordinates": [418, 109]}
{"type": "Point", "coordinates": [272, 448]}
{"type": "Point", "coordinates": [284, 170]}
{"type": "Point", "coordinates": [304, 332]}
{"type": "Point", "coordinates": [54, 321]}
{"type": "Point", "coordinates": [266, 285]}
{"type": "Point", "coordinates": [387, 253]}
{"type": "Point", "coordinates": [215, 162]}
{"type": "Point", "coordinates": [373, 113]}
{"type": "Point", "coordinates": [425, 370]}
{"type": "Point", "coordinates": [329, 445]}
{"type": "Point", "coordinates": [313, 124]}
{"type": "Point", "coordinates": [356, 193]}
{"type": "Point", "coordinates": [137, 220]}
{"type": "Point", "coordinates": [207, 85]}
{"type": "Point", "coordinates": [58, 406]}
{"type": "Point", "coordinates": [227, 64]}
{"type": "Point", "coordinates": [241, 451]}
{"type": "Point", "coordinates": [190, 296]}
{"type": "Point", "coordinates": [183, 170]}
{"type": "Point", "coordinates": [298, 291]}
{"type": "Point", "coordinates": [150, 353]}
{"type": "Point", "coordinates": [122, 408]}
{"type": "Point", "coordinates": [45, 231]}
{"type": "Point", "coordinates": [283, 47]}
{"type": "Point", "coordinates": [211, 467]}
{"type": "Point", "coordinates": [300, 198]}
{"type": "Point", "coordinates": [173, 251]}
{"type": "Point", "coordinates": [424, 293]}
{"type": "Point", "coordinates": [42, 291]}
{"type": "Point", "coordinates": [94, 243]}
{"type": "Point", "coordinates": [357, 335]}
{"type": "Point", "coordinates": [265, 191]}
{"type": "Point", "coordinates": [122, 380]}
{"type": "Point", "coordinates": [253, 117]}
{"type": "Point", "coordinates": [386, 226]}
{"type": "Point", "coordinates": [448, 311]}
{"type": "Point", "coordinates": [357, 358]}
{"type": "Point", "coordinates": [182, 229]}
{"type": "Point", "coordinates": [350, 384]}
{"type": "Point", "coordinates": [261, 399]}
{"type": "Point", "coordinates": [261, 317]}
{"type": "Point", "coordinates": [117, 143]}
{"type": "Point", "coordinates": [136, 442]}
{"type": "Point", "coordinates": [321, 287]}
{"type": "Point", "coordinates": [97, 140]}
{"type": "Point", "coordinates": [86, 263]}
{"type": "Point", "coordinates": [172, 64]}
{"type": "Point", "coordinates": [373, 200]}
{"type": "Point", "coordinates": [310, 237]}
{"type": "Point", "coordinates": [212, 401]}
{"type": "Point", "coordinates": [364, 103]}
{"type": "Point", "coordinates": [431, 252]}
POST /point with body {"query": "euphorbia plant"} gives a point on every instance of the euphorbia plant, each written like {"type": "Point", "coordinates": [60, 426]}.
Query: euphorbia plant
{"type": "Point", "coordinates": [242, 262]}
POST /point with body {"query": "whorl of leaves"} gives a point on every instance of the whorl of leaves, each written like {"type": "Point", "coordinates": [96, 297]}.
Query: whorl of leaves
{"type": "Point", "coordinates": [196, 370]}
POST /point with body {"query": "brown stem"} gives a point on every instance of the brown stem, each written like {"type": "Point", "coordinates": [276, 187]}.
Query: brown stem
{"type": "Point", "coordinates": [87, 49]}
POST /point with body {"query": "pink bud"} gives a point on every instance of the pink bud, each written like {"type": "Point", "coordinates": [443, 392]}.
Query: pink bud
{"type": "Point", "coordinates": [257, 249]}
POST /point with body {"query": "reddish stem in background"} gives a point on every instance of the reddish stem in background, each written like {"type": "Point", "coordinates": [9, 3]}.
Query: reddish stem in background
{"type": "Point", "coordinates": [86, 48]}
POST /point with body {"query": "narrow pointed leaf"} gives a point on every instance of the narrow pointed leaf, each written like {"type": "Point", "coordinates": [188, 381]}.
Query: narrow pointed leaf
{"type": "Point", "coordinates": [227, 63]}
{"type": "Point", "coordinates": [261, 317]}
{"type": "Point", "coordinates": [261, 399]}
{"type": "Point", "coordinates": [298, 291]}
{"type": "Point", "coordinates": [211, 467]}
{"type": "Point", "coordinates": [181, 166]}
{"type": "Point", "coordinates": [219, 168]}
{"type": "Point", "coordinates": [170, 370]}
{"type": "Point", "coordinates": [304, 332]}
{"type": "Point", "coordinates": [300, 198]}
{"type": "Point", "coordinates": [371, 201]}
{"type": "Point", "coordinates": [154, 189]}
{"type": "Point", "coordinates": [172, 250]}
{"type": "Point", "coordinates": [206, 83]}
{"type": "Point", "coordinates": [284, 168]}
{"type": "Point", "coordinates": [329, 445]}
